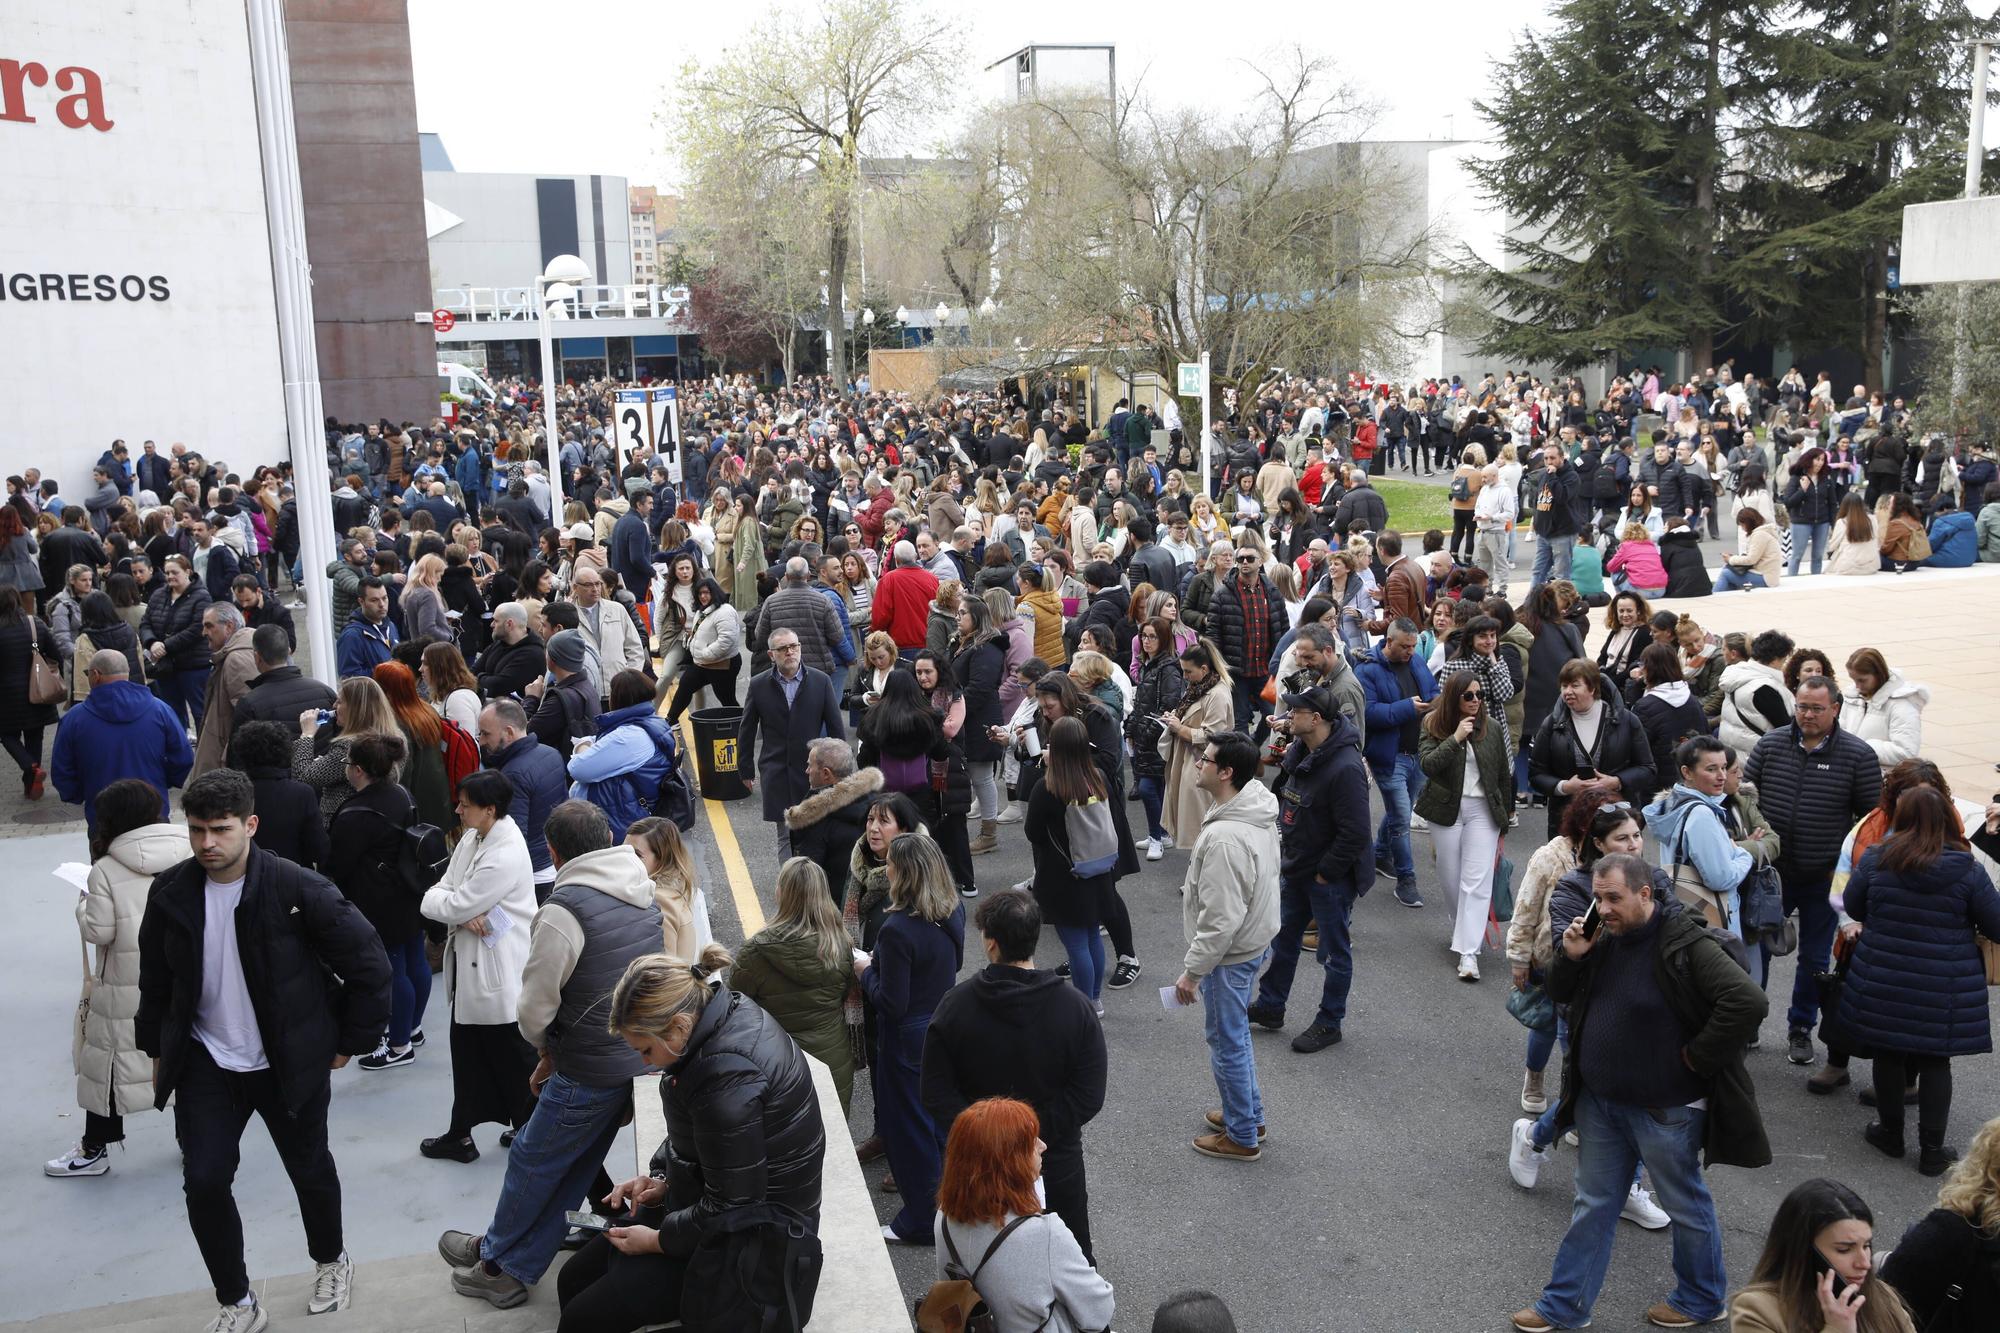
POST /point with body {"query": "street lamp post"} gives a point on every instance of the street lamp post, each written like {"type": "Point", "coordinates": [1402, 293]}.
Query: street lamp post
{"type": "Point", "coordinates": [557, 283]}
{"type": "Point", "coordinates": [1975, 162]}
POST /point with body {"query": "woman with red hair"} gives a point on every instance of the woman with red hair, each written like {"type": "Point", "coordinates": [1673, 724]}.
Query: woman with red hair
{"type": "Point", "coordinates": [423, 775]}
{"type": "Point", "coordinates": [991, 1230]}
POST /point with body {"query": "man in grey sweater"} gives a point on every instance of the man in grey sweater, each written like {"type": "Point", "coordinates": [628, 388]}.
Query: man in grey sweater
{"type": "Point", "coordinates": [600, 917]}
{"type": "Point", "coordinates": [1229, 912]}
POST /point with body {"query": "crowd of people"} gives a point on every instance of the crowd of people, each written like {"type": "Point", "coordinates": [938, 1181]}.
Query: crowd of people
{"type": "Point", "coordinates": [980, 609]}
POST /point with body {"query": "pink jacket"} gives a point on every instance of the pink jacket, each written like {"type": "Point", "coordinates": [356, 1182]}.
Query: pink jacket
{"type": "Point", "coordinates": [1640, 560]}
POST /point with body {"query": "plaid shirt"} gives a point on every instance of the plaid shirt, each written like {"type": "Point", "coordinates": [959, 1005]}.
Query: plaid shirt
{"type": "Point", "coordinates": [1256, 604]}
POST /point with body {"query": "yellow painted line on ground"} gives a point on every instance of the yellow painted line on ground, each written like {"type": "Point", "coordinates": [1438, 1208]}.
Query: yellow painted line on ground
{"type": "Point", "coordinates": [748, 910]}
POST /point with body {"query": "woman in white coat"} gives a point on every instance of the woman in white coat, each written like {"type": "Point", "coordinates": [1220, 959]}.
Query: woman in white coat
{"type": "Point", "coordinates": [487, 897]}
{"type": "Point", "coordinates": [114, 1078]}
{"type": "Point", "coordinates": [1884, 709]}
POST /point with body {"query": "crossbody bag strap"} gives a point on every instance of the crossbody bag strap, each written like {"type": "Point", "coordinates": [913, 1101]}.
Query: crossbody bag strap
{"type": "Point", "coordinates": [1005, 1232]}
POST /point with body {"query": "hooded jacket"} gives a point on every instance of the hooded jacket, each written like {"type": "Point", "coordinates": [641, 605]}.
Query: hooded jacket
{"type": "Point", "coordinates": [113, 1076]}
{"type": "Point", "coordinates": [1917, 982]}
{"type": "Point", "coordinates": [1322, 831]}
{"type": "Point", "coordinates": [1890, 721]}
{"type": "Point", "coordinates": [120, 731]}
{"type": "Point", "coordinates": [1670, 714]}
{"type": "Point", "coordinates": [1229, 903]}
{"type": "Point", "coordinates": [1755, 699]}
{"type": "Point", "coordinates": [1017, 1032]}
{"type": "Point", "coordinates": [1685, 835]}
{"type": "Point", "coordinates": [600, 917]}
{"type": "Point", "coordinates": [1687, 571]}
{"type": "Point", "coordinates": [781, 969]}
{"type": "Point", "coordinates": [622, 772]}
{"type": "Point", "coordinates": [828, 822]}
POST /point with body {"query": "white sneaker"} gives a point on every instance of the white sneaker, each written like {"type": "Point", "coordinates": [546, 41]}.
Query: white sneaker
{"type": "Point", "coordinates": [1015, 812]}
{"type": "Point", "coordinates": [1418, 824]}
{"type": "Point", "coordinates": [1468, 967]}
{"type": "Point", "coordinates": [1639, 1207]}
{"type": "Point", "coordinates": [1167, 841]}
{"type": "Point", "coordinates": [77, 1162]}
{"type": "Point", "coordinates": [240, 1318]}
{"type": "Point", "coordinates": [1524, 1159]}
{"type": "Point", "coordinates": [1153, 849]}
{"type": "Point", "coordinates": [331, 1285]}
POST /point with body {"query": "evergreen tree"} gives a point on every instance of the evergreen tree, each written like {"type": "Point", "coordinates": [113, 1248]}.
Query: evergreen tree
{"type": "Point", "coordinates": [1622, 130]}
{"type": "Point", "coordinates": [1871, 116]}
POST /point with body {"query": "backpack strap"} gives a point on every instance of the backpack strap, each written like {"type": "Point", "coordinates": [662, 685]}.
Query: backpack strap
{"type": "Point", "coordinates": [1006, 1231]}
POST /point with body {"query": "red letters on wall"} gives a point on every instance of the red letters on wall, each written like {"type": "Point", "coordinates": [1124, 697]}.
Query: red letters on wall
{"type": "Point", "coordinates": [81, 106]}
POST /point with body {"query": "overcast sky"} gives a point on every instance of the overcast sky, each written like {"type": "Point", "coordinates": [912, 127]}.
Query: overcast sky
{"type": "Point", "coordinates": [476, 66]}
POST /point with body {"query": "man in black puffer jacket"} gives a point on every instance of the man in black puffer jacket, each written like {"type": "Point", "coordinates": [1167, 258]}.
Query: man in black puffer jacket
{"type": "Point", "coordinates": [1012, 1031]}
{"type": "Point", "coordinates": [1245, 620]}
{"type": "Point", "coordinates": [262, 1033]}
{"type": "Point", "coordinates": [828, 822]}
{"type": "Point", "coordinates": [1814, 782]}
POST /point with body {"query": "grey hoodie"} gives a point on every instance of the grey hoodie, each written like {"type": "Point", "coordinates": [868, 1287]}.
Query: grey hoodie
{"type": "Point", "coordinates": [1229, 903]}
{"type": "Point", "coordinates": [561, 949]}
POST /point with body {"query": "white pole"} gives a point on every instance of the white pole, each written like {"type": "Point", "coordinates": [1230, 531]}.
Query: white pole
{"type": "Point", "coordinates": [1975, 159]}
{"type": "Point", "coordinates": [1207, 429]}
{"type": "Point", "coordinates": [549, 408]}
{"type": "Point", "coordinates": [291, 278]}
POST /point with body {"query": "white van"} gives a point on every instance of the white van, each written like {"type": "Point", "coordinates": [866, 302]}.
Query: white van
{"type": "Point", "coordinates": [462, 384]}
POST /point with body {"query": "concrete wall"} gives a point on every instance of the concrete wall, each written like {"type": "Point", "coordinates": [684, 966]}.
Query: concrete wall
{"type": "Point", "coordinates": [497, 242]}
{"type": "Point", "coordinates": [354, 94]}
{"type": "Point", "coordinates": [172, 190]}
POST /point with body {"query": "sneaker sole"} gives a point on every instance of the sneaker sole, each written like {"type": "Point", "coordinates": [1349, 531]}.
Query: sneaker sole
{"type": "Point", "coordinates": [1115, 984]}
{"type": "Point", "coordinates": [94, 1169]}
{"type": "Point", "coordinates": [383, 1068]}
{"type": "Point", "coordinates": [1228, 1156]}
{"type": "Point", "coordinates": [499, 1300]}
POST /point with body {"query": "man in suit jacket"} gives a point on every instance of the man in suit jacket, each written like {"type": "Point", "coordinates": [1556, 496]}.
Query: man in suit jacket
{"type": "Point", "coordinates": [795, 705]}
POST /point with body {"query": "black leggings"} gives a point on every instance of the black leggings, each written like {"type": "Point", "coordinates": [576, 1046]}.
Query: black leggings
{"type": "Point", "coordinates": [694, 676]}
{"type": "Point", "coordinates": [1462, 534]}
{"type": "Point", "coordinates": [1893, 1072]}
{"type": "Point", "coordinates": [1118, 924]}
{"type": "Point", "coordinates": [603, 1291]}
{"type": "Point", "coordinates": [953, 841]}
{"type": "Point", "coordinates": [24, 747]}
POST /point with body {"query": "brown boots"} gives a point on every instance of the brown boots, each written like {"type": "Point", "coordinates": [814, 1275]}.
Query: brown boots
{"type": "Point", "coordinates": [989, 837]}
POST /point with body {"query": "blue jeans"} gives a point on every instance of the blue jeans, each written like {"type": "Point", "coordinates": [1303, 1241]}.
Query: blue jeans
{"type": "Point", "coordinates": [1615, 1137]}
{"type": "Point", "coordinates": [1086, 958]}
{"type": "Point", "coordinates": [1330, 905]}
{"type": "Point", "coordinates": [1250, 703]}
{"type": "Point", "coordinates": [551, 1164]}
{"type": "Point", "coordinates": [410, 987]}
{"type": "Point", "coordinates": [1553, 557]}
{"type": "Point", "coordinates": [1731, 578]}
{"type": "Point", "coordinates": [1400, 786]}
{"type": "Point", "coordinates": [1225, 998]}
{"type": "Point", "coordinates": [1541, 1045]}
{"type": "Point", "coordinates": [1817, 922]}
{"type": "Point", "coordinates": [186, 692]}
{"type": "Point", "coordinates": [1152, 797]}
{"type": "Point", "coordinates": [1801, 533]}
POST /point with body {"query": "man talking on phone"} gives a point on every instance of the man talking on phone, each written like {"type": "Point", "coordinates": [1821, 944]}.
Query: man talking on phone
{"type": "Point", "coordinates": [1659, 1014]}
{"type": "Point", "coordinates": [231, 939]}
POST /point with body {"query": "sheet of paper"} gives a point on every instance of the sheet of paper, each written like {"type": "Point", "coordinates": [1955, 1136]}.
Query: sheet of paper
{"type": "Point", "coordinates": [1170, 999]}
{"type": "Point", "coordinates": [74, 873]}
{"type": "Point", "coordinates": [498, 923]}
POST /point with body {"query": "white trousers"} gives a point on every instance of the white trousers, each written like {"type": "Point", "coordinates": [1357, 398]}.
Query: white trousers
{"type": "Point", "coordinates": [1465, 857]}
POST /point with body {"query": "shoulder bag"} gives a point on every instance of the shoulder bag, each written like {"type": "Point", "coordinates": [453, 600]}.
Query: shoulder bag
{"type": "Point", "coordinates": [45, 684]}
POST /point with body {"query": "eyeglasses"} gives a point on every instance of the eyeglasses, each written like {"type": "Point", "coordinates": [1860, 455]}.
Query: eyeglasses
{"type": "Point", "coordinates": [1201, 759]}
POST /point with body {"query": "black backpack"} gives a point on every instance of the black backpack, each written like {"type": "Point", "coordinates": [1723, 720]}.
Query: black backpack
{"type": "Point", "coordinates": [675, 798]}
{"type": "Point", "coordinates": [421, 857]}
{"type": "Point", "coordinates": [756, 1270]}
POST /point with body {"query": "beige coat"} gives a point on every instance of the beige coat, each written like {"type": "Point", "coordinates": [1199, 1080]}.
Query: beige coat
{"type": "Point", "coordinates": [1850, 557]}
{"type": "Point", "coordinates": [485, 872]}
{"type": "Point", "coordinates": [1757, 1309]}
{"type": "Point", "coordinates": [1186, 803]}
{"type": "Point", "coordinates": [1529, 941]}
{"type": "Point", "coordinates": [112, 1074]}
{"type": "Point", "coordinates": [1762, 554]}
{"type": "Point", "coordinates": [229, 680]}
{"type": "Point", "coordinates": [620, 644]}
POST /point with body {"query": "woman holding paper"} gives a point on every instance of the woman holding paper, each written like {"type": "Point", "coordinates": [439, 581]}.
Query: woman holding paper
{"type": "Point", "coordinates": [487, 897]}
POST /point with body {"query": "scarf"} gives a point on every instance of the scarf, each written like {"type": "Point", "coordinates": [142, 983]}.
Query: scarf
{"type": "Point", "coordinates": [868, 884]}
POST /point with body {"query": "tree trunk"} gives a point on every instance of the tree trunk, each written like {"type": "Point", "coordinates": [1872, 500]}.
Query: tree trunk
{"type": "Point", "coordinates": [836, 314]}
{"type": "Point", "coordinates": [788, 353]}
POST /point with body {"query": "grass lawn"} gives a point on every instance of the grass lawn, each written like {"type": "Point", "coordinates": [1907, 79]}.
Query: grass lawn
{"type": "Point", "coordinates": [1414, 506]}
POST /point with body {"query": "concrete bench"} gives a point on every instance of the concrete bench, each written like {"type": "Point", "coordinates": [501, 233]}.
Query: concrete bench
{"type": "Point", "coordinates": [858, 1291]}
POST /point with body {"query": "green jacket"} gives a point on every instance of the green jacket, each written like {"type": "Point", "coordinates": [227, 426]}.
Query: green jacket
{"type": "Point", "coordinates": [1523, 643]}
{"type": "Point", "coordinates": [1443, 762]}
{"type": "Point", "coordinates": [783, 972]}
{"type": "Point", "coordinates": [1715, 999]}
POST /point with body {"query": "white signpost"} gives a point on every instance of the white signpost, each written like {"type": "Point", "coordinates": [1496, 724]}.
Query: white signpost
{"type": "Point", "coordinates": [666, 412]}
{"type": "Point", "coordinates": [649, 419]}
{"type": "Point", "coordinates": [1193, 381]}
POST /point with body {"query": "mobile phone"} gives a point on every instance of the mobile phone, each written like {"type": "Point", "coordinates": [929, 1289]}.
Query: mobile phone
{"type": "Point", "coordinates": [593, 1222]}
{"type": "Point", "coordinates": [1591, 920]}
{"type": "Point", "coordinates": [1820, 1265]}
{"type": "Point", "coordinates": [1586, 773]}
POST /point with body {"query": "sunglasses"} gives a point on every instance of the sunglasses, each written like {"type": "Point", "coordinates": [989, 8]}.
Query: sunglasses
{"type": "Point", "coordinates": [1474, 695]}
{"type": "Point", "coordinates": [1246, 559]}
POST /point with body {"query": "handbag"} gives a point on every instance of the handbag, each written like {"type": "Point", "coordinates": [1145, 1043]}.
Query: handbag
{"type": "Point", "coordinates": [756, 1270]}
{"type": "Point", "coordinates": [45, 683]}
{"type": "Point", "coordinates": [1833, 1029]}
{"type": "Point", "coordinates": [1693, 891]}
{"type": "Point", "coordinates": [1532, 1008]}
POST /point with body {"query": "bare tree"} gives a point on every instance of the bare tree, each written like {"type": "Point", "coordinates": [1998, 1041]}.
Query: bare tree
{"type": "Point", "coordinates": [810, 95]}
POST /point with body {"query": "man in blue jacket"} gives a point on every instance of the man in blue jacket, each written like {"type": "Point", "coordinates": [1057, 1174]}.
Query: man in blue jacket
{"type": "Point", "coordinates": [540, 783]}
{"type": "Point", "coordinates": [370, 636]}
{"type": "Point", "coordinates": [1324, 857]}
{"type": "Point", "coordinates": [1400, 690]}
{"type": "Point", "coordinates": [630, 552]}
{"type": "Point", "coordinates": [119, 731]}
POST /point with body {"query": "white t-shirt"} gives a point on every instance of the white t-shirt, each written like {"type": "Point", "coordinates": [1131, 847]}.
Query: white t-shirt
{"type": "Point", "coordinates": [224, 1020]}
{"type": "Point", "coordinates": [1474, 789]}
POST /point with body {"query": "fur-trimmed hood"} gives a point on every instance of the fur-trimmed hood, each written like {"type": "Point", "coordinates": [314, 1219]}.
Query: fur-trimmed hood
{"type": "Point", "coordinates": [858, 785]}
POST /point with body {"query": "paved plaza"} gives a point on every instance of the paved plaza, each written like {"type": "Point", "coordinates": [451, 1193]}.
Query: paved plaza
{"type": "Point", "coordinates": [1382, 1205]}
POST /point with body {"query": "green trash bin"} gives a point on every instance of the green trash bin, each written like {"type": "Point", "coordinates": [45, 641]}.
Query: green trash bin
{"type": "Point", "coordinates": [716, 757]}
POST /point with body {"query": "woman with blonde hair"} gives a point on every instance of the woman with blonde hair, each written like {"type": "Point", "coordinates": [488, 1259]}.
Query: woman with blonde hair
{"type": "Point", "coordinates": [1943, 1267]}
{"type": "Point", "coordinates": [684, 930]}
{"type": "Point", "coordinates": [743, 1129]}
{"type": "Point", "coordinates": [424, 611]}
{"type": "Point", "coordinates": [319, 756]}
{"type": "Point", "coordinates": [916, 960]}
{"type": "Point", "coordinates": [1204, 523]}
{"type": "Point", "coordinates": [799, 968]}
